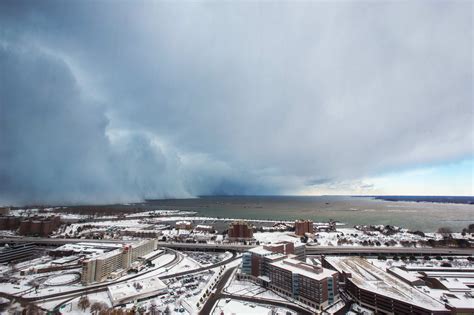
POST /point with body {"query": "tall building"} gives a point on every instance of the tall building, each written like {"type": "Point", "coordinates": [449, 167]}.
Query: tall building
{"type": "Point", "coordinates": [303, 226]}
{"type": "Point", "coordinates": [9, 222]}
{"type": "Point", "coordinates": [240, 231]}
{"type": "Point", "coordinates": [312, 285]}
{"type": "Point", "coordinates": [255, 261]}
{"type": "Point", "coordinates": [115, 262]}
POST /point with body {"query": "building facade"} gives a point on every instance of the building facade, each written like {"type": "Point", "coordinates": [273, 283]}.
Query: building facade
{"type": "Point", "coordinates": [303, 226]}
{"type": "Point", "coordinates": [114, 263]}
{"type": "Point", "coordinates": [240, 231]}
{"type": "Point", "coordinates": [312, 285]}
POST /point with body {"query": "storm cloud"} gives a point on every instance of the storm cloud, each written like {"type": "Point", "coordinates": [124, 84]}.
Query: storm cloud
{"type": "Point", "coordinates": [106, 101]}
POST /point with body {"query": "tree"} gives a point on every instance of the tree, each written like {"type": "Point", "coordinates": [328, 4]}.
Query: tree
{"type": "Point", "coordinates": [32, 309]}
{"type": "Point", "coordinates": [83, 302]}
{"type": "Point", "coordinates": [96, 307]}
{"type": "Point", "coordinates": [445, 231]}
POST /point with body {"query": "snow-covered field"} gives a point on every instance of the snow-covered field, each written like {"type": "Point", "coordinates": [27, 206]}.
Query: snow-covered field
{"type": "Point", "coordinates": [247, 308]}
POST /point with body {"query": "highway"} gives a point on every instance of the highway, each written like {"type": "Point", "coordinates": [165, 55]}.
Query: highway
{"type": "Point", "coordinates": [56, 241]}
{"type": "Point", "coordinates": [310, 250]}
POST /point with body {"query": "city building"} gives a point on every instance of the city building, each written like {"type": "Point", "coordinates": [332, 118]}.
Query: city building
{"type": "Point", "coordinates": [312, 285]}
{"type": "Point", "coordinates": [9, 222]}
{"type": "Point", "coordinates": [38, 226]}
{"type": "Point", "coordinates": [204, 228]}
{"type": "Point", "coordinates": [383, 292]}
{"type": "Point", "coordinates": [303, 226]}
{"type": "Point", "coordinates": [255, 261]}
{"type": "Point", "coordinates": [184, 225]}
{"type": "Point", "coordinates": [240, 231]}
{"type": "Point", "coordinates": [114, 263]}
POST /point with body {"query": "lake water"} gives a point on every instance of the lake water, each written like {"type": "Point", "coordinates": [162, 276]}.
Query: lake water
{"type": "Point", "coordinates": [423, 216]}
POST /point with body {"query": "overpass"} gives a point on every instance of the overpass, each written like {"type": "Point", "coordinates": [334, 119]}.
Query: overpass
{"type": "Point", "coordinates": [56, 241]}
{"type": "Point", "coordinates": [238, 247]}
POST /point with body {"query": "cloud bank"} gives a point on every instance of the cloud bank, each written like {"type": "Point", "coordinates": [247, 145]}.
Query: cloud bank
{"type": "Point", "coordinates": [112, 102]}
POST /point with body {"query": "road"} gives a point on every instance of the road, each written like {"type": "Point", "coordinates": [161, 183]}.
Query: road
{"type": "Point", "coordinates": [97, 287]}
{"type": "Point", "coordinates": [103, 287]}
{"type": "Point", "coordinates": [211, 301]}
{"type": "Point", "coordinates": [310, 250]}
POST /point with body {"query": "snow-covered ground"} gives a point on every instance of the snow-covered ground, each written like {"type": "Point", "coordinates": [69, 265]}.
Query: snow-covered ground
{"type": "Point", "coordinates": [273, 237]}
{"type": "Point", "coordinates": [247, 288]}
{"type": "Point", "coordinates": [247, 308]}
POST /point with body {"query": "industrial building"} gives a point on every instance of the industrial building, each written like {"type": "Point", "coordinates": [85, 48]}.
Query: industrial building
{"type": "Point", "coordinates": [395, 291]}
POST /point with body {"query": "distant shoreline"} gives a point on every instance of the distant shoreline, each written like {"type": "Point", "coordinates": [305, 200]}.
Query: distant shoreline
{"type": "Point", "coordinates": [468, 200]}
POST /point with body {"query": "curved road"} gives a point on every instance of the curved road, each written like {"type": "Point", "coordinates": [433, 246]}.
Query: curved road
{"type": "Point", "coordinates": [176, 260]}
{"type": "Point", "coordinates": [212, 300]}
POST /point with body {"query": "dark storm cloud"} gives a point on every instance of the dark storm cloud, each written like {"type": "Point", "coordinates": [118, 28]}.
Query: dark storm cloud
{"type": "Point", "coordinates": [105, 101]}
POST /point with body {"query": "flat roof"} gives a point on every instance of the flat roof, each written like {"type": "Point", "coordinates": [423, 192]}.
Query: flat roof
{"type": "Point", "coordinates": [259, 250]}
{"type": "Point", "coordinates": [371, 278]}
{"type": "Point", "coordinates": [292, 265]}
{"type": "Point", "coordinates": [119, 293]}
{"type": "Point", "coordinates": [410, 277]}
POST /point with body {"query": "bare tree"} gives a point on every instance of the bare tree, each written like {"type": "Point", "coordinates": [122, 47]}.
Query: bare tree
{"type": "Point", "coordinates": [97, 307]}
{"type": "Point", "coordinates": [32, 309]}
{"type": "Point", "coordinates": [83, 302]}
{"type": "Point", "coordinates": [445, 231]}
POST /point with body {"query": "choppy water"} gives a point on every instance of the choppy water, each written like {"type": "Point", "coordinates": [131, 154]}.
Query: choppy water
{"type": "Point", "coordinates": [423, 216]}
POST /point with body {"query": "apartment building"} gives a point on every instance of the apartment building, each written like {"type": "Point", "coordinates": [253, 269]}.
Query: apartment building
{"type": "Point", "coordinates": [303, 226]}
{"type": "Point", "coordinates": [240, 231]}
{"type": "Point", "coordinates": [115, 262]}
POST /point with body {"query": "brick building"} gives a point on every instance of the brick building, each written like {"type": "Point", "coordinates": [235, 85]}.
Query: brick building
{"type": "Point", "coordinates": [312, 285]}
{"type": "Point", "coordinates": [239, 231]}
{"type": "Point", "coordinates": [303, 226]}
{"type": "Point", "coordinates": [39, 226]}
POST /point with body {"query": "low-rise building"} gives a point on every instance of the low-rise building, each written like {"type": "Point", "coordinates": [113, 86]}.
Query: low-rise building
{"type": "Point", "coordinates": [204, 228]}
{"type": "Point", "coordinates": [382, 292]}
{"type": "Point", "coordinates": [133, 290]}
{"type": "Point", "coordinates": [184, 225]}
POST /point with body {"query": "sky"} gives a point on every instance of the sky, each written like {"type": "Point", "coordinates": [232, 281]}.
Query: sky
{"type": "Point", "coordinates": [117, 101]}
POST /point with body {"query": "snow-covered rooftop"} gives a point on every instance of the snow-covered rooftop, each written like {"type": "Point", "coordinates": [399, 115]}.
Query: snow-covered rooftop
{"type": "Point", "coordinates": [130, 290]}
{"type": "Point", "coordinates": [298, 267]}
{"type": "Point", "coordinates": [367, 276]}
